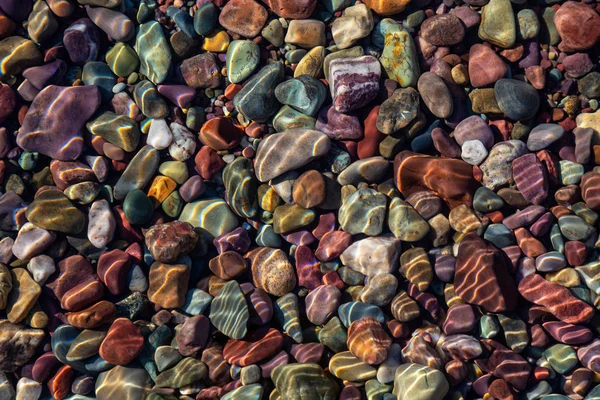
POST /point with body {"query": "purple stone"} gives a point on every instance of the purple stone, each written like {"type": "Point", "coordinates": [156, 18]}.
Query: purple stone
{"type": "Point", "coordinates": [531, 55]}
{"type": "Point", "coordinates": [354, 82]}
{"type": "Point", "coordinates": [542, 225]}
{"type": "Point", "coordinates": [10, 206]}
{"type": "Point", "coordinates": [524, 217]}
{"type": "Point", "coordinates": [46, 74]}
{"type": "Point", "coordinates": [530, 177]}
{"type": "Point", "coordinates": [17, 10]}
{"type": "Point", "coordinates": [180, 95]}
{"type": "Point", "coordinates": [5, 142]}
{"type": "Point", "coordinates": [577, 65]}
{"type": "Point", "coordinates": [474, 128]}
{"type": "Point", "coordinates": [567, 333]}
{"type": "Point", "coordinates": [444, 267]}
{"type": "Point", "coordinates": [237, 240]}
{"type": "Point", "coordinates": [281, 358]}
{"type": "Point", "coordinates": [339, 126]}
{"type": "Point", "coordinates": [468, 16]}
{"type": "Point", "coordinates": [27, 91]}
{"type": "Point", "coordinates": [192, 188]}
{"type": "Point", "coordinates": [82, 41]}
{"type": "Point", "coordinates": [53, 123]}
{"type": "Point", "coordinates": [300, 238]}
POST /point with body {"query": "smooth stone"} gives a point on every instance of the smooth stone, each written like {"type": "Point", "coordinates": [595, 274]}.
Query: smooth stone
{"type": "Point", "coordinates": [149, 100]}
{"type": "Point", "coordinates": [183, 145]}
{"type": "Point", "coordinates": [40, 129]}
{"type": "Point", "coordinates": [562, 358]}
{"type": "Point", "coordinates": [166, 357]}
{"type": "Point", "coordinates": [23, 296]}
{"type": "Point", "coordinates": [300, 380]}
{"type": "Point", "coordinates": [286, 312]}
{"type": "Point", "coordinates": [256, 101]}
{"type": "Point", "coordinates": [306, 33]}
{"type": "Point", "coordinates": [42, 23]}
{"type": "Point", "coordinates": [41, 268]}
{"type": "Point", "coordinates": [244, 17]}
{"type": "Point", "coordinates": [168, 284]}
{"type": "Point", "coordinates": [85, 345]}
{"type": "Point", "coordinates": [443, 30]}
{"type": "Point", "coordinates": [119, 130]}
{"type": "Point", "coordinates": [18, 344]}
{"type": "Point", "coordinates": [419, 382]}
{"type": "Point", "coordinates": [399, 110]}
{"type": "Point", "coordinates": [543, 136]}
{"type": "Point", "coordinates": [415, 266]}
{"type": "Point", "coordinates": [159, 136]}
{"type": "Point", "coordinates": [435, 95]}
{"type": "Point", "coordinates": [517, 100]}
{"type": "Point", "coordinates": [372, 256]}
{"type": "Point", "coordinates": [290, 217]}
{"type": "Point", "coordinates": [272, 271]}
{"type": "Point", "coordinates": [240, 184]}
{"type": "Point", "coordinates": [287, 151]}
{"type": "Point", "coordinates": [370, 170]}
{"type": "Point", "coordinates": [183, 20]}
{"type": "Point", "coordinates": [346, 366]}
{"type": "Point", "coordinates": [528, 25]}
{"type": "Point", "coordinates": [133, 383]}
{"type": "Point", "coordinates": [473, 152]}
{"type": "Point", "coordinates": [304, 94]}
{"type": "Point", "coordinates": [169, 241]}
{"type": "Point", "coordinates": [399, 55]}
{"type": "Point", "coordinates": [115, 24]}
{"type": "Point", "coordinates": [530, 178]}
{"type": "Point", "coordinates": [153, 51]}
{"type": "Point", "coordinates": [355, 23]}
{"type": "Point", "coordinates": [337, 125]}
{"type": "Point", "coordinates": [499, 235]}
{"type": "Point", "coordinates": [287, 119]}
{"type": "Point", "coordinates": [17, 54]}
{"type": "Point", "coordinates": [229, 311]}
{"type": "Point", "coordinates": [574, 228]}
{"type": "Point", "coordinates": [52, 210]}
{"type": "Point", "coordinates": [255, 347]}
{"type": "Point", "coordinates": [363, 212]}
{"type": "Point", "coordinates": [212, 216]}
{"type": "Point", "coordinates": [28, 389]}
{"type": "Point", "coordinates": [138, 173]}
{"type": "Point", "coordinates": [82, 41]}
{"type": "Point", "coordinates": [405, 222]}
{"type": "Point", "coordinates": [344, 73]}
{"type": "Point", "coordinates": [578, 27]}
{"type": "Point", "coordinates": [322, 303]}
{"type": "Point", "coordinates": [138, 207]}
{"type": "Point", "coordinates": [205, 18]}
{"type": "Point", "coordinates": [243, 57]}
{"type": "Point", "coordinates": [498, 24]}
{"type": "Point", "coordinates": [246, 392]}
{"type": "Point", "coordinates": [31, 241]}
{"type": "Point", "coordinates": [485, 66]}
{"type": "Point", "coordinates": [368, 341]}
{"type": "Point", "coordinates": [201, 71]}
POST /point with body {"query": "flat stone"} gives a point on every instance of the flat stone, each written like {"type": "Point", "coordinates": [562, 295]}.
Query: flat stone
{"type": "Point", "coordinates": [168, 284]}
{"type": "Point", "coordinates": [52, 210]}
{"type": "Point", "coordinates": [498, 24]}
{"type": "Point", "coordinates": [244, 17]}
{"type": "Point", "coordinates": [17, 54]}
{"type": "Point", "coordinates": [517, 100]}
{"type": "Point", "coordinates": [201, 71]}
{"type": "Point", "coordinates": [154, 52]}
{"type": "Point", "coordinates": [443, 30]}
{"type": "Point", "coordinates": [343, 76]}
{"type": "Point", "coordinates": [543, 136]}
{"type": "Point", "coordinates": [420, 381]}
{"type": "Point", "coordinates": [123, 381]}
{"type": "Point", "coordinates": [18, 344]}
{"type": "Point", "coordinates": [485, 66]}
{"type": "Point", "coordinates": [212, 216]}
{"type": "Point", "coordinates": [229, 311]}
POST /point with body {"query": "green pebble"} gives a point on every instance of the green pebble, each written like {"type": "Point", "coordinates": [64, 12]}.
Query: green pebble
{"type": "Point", "coordinates": [205, 18]}
{"type": "Point", "coordinates": [194, 118]}
{"type": "Point", "coordinates": [15, 184]}
{"type": "Point", "coordinates": [229, 311]}
{"type": "Point", "coordinates": [562, 358]}
{"type": "Point", "coordinates": [173, 204]}
{"type": "Point", "coordinates": [304, 93]}
{"type": "Point", "coordinates": [274, 33]}
{"type": "Point", "coordinates": [99, 74]}
{"type": "Point", "coordinates": [138, 207]}
{"type": "Point", "coordinates": [574, 228]}
{"type": "Point", "coordinates": [241, 185]}
{"type": "Point", "coordinates": [154, 52]}
{"type": "Point", "coordinates": [28, 160]}
{"type": "Point", "coordinates": [287, 118]}
{"type": "Point", "coordinates": [363, 212]}
{"type": "Point", "coordinates": [196, 301]}
{"type": "Point", "coordinates": [291, 217]}
{"type": "Point", "coordinates": [489, 327]}
{"type": "Point", "coordinates": [248, 392]}
{"type": "Point", "coordinates": [83, 192]}
{"type": "Point", "coordinates": [375, 390]}
{"type": "Point", "coordinates": [399, 56]}
{"type": "Point", "coordinates": [486, 200]}
{"type": "Point", "coordinates": [122, 60]}
{"type": "Point", "coordinates": [149, 100]}
{"type": "Point", "coordinates": [243, 57]}
{"type": "Point", "coordinates": [570, 173]}
{"type": "Point", "coordinates": [175, 170]}
{"type": "Point", "coordinates": [334, 335]}
{"type": "Point", "coordinates": [285, 310]}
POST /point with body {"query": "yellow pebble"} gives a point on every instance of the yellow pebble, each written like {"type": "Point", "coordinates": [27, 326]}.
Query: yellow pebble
{"type": "Point", "coordinates": [217, 42]}
{"type": "Point", "coordinates": [160, 189]}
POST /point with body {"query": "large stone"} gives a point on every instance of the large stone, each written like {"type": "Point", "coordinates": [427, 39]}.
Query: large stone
{"type": "Point", "coordinates": [419, 382]}
{"type": "Point", "coordinates": [578, 26]}
{"type": "Point", "coordinates": [229, 312]}
{"type": "Point", "coordinates": [482, 275]}
{"type": "Point", "coordinates": [123, 382]}
{"type": "Point", "coordinates": [154, 52]}
{"type": "Point", "coordinates": [372, 256]}
{"type": "Point", "coordinates": [272, 271]}
{"type": "Point", "coordinates": [213, 216]}
{"type": "Point", "coordinates": [17, 54]}
{"type": "Point", "coordinates": [167, 242]}
{"type": "Point", "coordinates": [354, 82]}
{"type": "Point", "coordinates": [52, 210]}
{"type": "Point", "coordinates": [498, 25]}
{"type": "Point", "coordinates": [17, 345]}
{"type": "Point", "coordinates": [286, 151]}
{"type": "Point", "coordinates": [256, 101]}
{"type": "Point", "coordinates": [517, 100]}
{"type": "Point", "coordinates": [304, 381]}
{"type": "Point", "coordinates": [54, 121]}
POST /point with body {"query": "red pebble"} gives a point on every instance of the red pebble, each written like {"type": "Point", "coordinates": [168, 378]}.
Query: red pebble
{"type": "Point", "coordinates": [60, 384]}
{"type": "Point", "coordinates": [123, 342]}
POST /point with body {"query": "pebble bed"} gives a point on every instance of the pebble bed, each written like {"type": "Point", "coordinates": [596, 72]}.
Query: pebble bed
{"type": "Point", "coordinates": [299, 199]}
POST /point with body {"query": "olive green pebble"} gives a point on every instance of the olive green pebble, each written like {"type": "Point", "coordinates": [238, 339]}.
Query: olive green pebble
{"type": "Point", "coordinates": [173, 204]}
{"type": "Point", "coordinates": [138, 207]}
{"type": "Point", "coordinates": [175, 170]}
{"type": "Point", "coordinates": [28, 160]}
{"type": "Point", "coordinates": [122, 60]}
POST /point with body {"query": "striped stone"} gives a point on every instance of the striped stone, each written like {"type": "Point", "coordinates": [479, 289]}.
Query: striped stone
{"type": "Point", "coordinates": [530, 177]}
{"type": "Point", "coordinates": [168, 284]}
{"type": "Point", "coordinates": [85, 345]}
{"type": "Point", "coordinates": [119, 130]}
{"type": "Point", "coordinates": [404, 308]}
{"type": "Point", "coordinates": [257, 346]}
{"type": "Point", "coordinates": [286, 311]}
{"type": "Point", "coordinates": [461, 347]}
{"type": "Point", "coordinates": [240, 186]}
{"type": "Point", "coordinates": [590, 355]}
{"type": "Point", "coordinates": [368, 341]}
{"type": "Point", "coordinates": [302, 381]}
{"type": "Point", "coordinates": [590, 274]}
{"type": "Point", "coordinates": [415, 266]}
{"type": "Point", "coordinates": [346, 366]}
{"type": "Point", "coordinates": [419, 382]}
{"type": "Point", "coordinates": [212, 216]}
{"type": "Point", "coordinates": [287, 151]}
{"type": "Point", "coordinates": [568, 333]}
{"type": "Point", "coordinates": [229, 312]}
{"type": "Point", "coordinates": [515, 332]}
{"type": "Point", "coordinates": [420, 351]}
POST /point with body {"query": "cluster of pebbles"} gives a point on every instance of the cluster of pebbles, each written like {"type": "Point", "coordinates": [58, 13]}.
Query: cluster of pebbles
{"type": "Point", "coordinates": [299, 199]}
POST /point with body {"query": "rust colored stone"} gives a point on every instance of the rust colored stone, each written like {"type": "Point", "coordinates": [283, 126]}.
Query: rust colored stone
{"type": "Point", "coordinates": [123, 342]}
{"type": "Point", "coordinates": [367, 340]}
{"type": "Point", "coordinates": [221, 133]}
{"type": "Point", "coordinates": [255, 347]}
{"type": "Point", "coordinates": [92, 317]}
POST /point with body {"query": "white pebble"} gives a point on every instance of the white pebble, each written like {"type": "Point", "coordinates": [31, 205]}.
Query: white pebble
{"type": "Point", "coordinates": [102, 225]}
{"type": "Point", "coordinates": [159, 135]}
{"type": "Point", "coordinates": [473, 152]}
{"type": "Point", "coordinates": [41, 267]}
{"type": "Point", "coordinates": [184, 142]}
{"type": "Point", "coordinates": [138, 281]}
{"type": "Point", "coordinates": [28, 389]}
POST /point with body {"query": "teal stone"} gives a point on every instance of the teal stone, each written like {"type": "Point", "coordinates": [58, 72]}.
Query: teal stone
{"type": "Point", "coordinates": [161, 336]}
{"type": "Point", "coordinates": [538, 391]}
{"type": "Point", "coordinates": [183, 20]}
{"type": "Point", "coordinates": [196, 301]}
{"type": "Point", "coordinates": [212, 216]}
{"type": "Point", "coordinates": [338, 159]}
{"type": "Point", "coordinates": [62, 339]}
{"type": "Point", "coordinates": [556, 238]}
{"type": "Point", "coordinates": [99, 74]}
{"type": "Point", "coordinates": [336, 5]}
{"type": "Point", "coordinates": [334, 335]}
{"type": "Point", "coordinates": [515, 332]}
{"type": "Point", "coordinates": [266, 237]}
{"type": "Point", "coordinates": [205, 18]}
{"type": "Point", "coordinates": [489, 326]}
{"type": "Point", "coordinates": [186, 372]}
{"type": "Point", "coordinates": [256, 101]}
{"type": "Point", "coordinates": [499, 235]}
{"type": "Point", "coordinates": [294, 56]}
{"type": "Point", "coordinates": [355, 310]}
{"type": "Point", "coordinates": [243, 57]}
{"type": "Point", "coordinates": [248, 392]}
{"type": "Point", "coordinates": [287, 118]}
{"type": "Point", "coordinates": [363, 212]}
{"type": "Point", "coordinates": [548, 32]}
{"type": "Point", "coordinates": [241, 187]}
{"type": "Point", "coordinates": [28, 160]}
{"type": "Point", "coordinates": [117, 129]}
{"type": "Point", "coordinates": [304, 93]}
{"type": "Point", "coordinates": [486, 200]}
{"type": "Point", "coordinates": [149, 100]}
{"type": "Point", "coordinates": [590, 275]}
{"type": "Point", "coordinates": [138, 207]}
{"type": "Point", "coordinates": [413, 20]}
{"type": "Point", "coordinates": [195, 118]}
{"type": "Point", "coordinates": [399, 55]}
{"type": "Point", "coordinates": [570, 173]}
{"type": "Point", "coordinates": [173, 204]}
{"type": "Point", "coordinates": [562, 358]}
{"type": "Point", "coordinates": [375, 390]}
{"type": "Point", "coordinates": [286, 312]}
{"type": "Point", "coordinates": [594, 394]}
{"type": "Point", "coordinates": [229, 312]}
{"type": "Point", "coordinates": [145, 10]}
{"type": "Point", "coordinates": [587, 214]}
{"type": "Point", "coordinates": [554, 396]}
{"type": "Point", "coordinates": [573, 227]}
{"type": "Point", "coordinates": [154, 52]}
{"type": "Point", "coordinates": [96, 365]}
{"type": "Point", "coordinates": [583, 293]}
{"type": "Point", "coordinates": [138, 173]}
